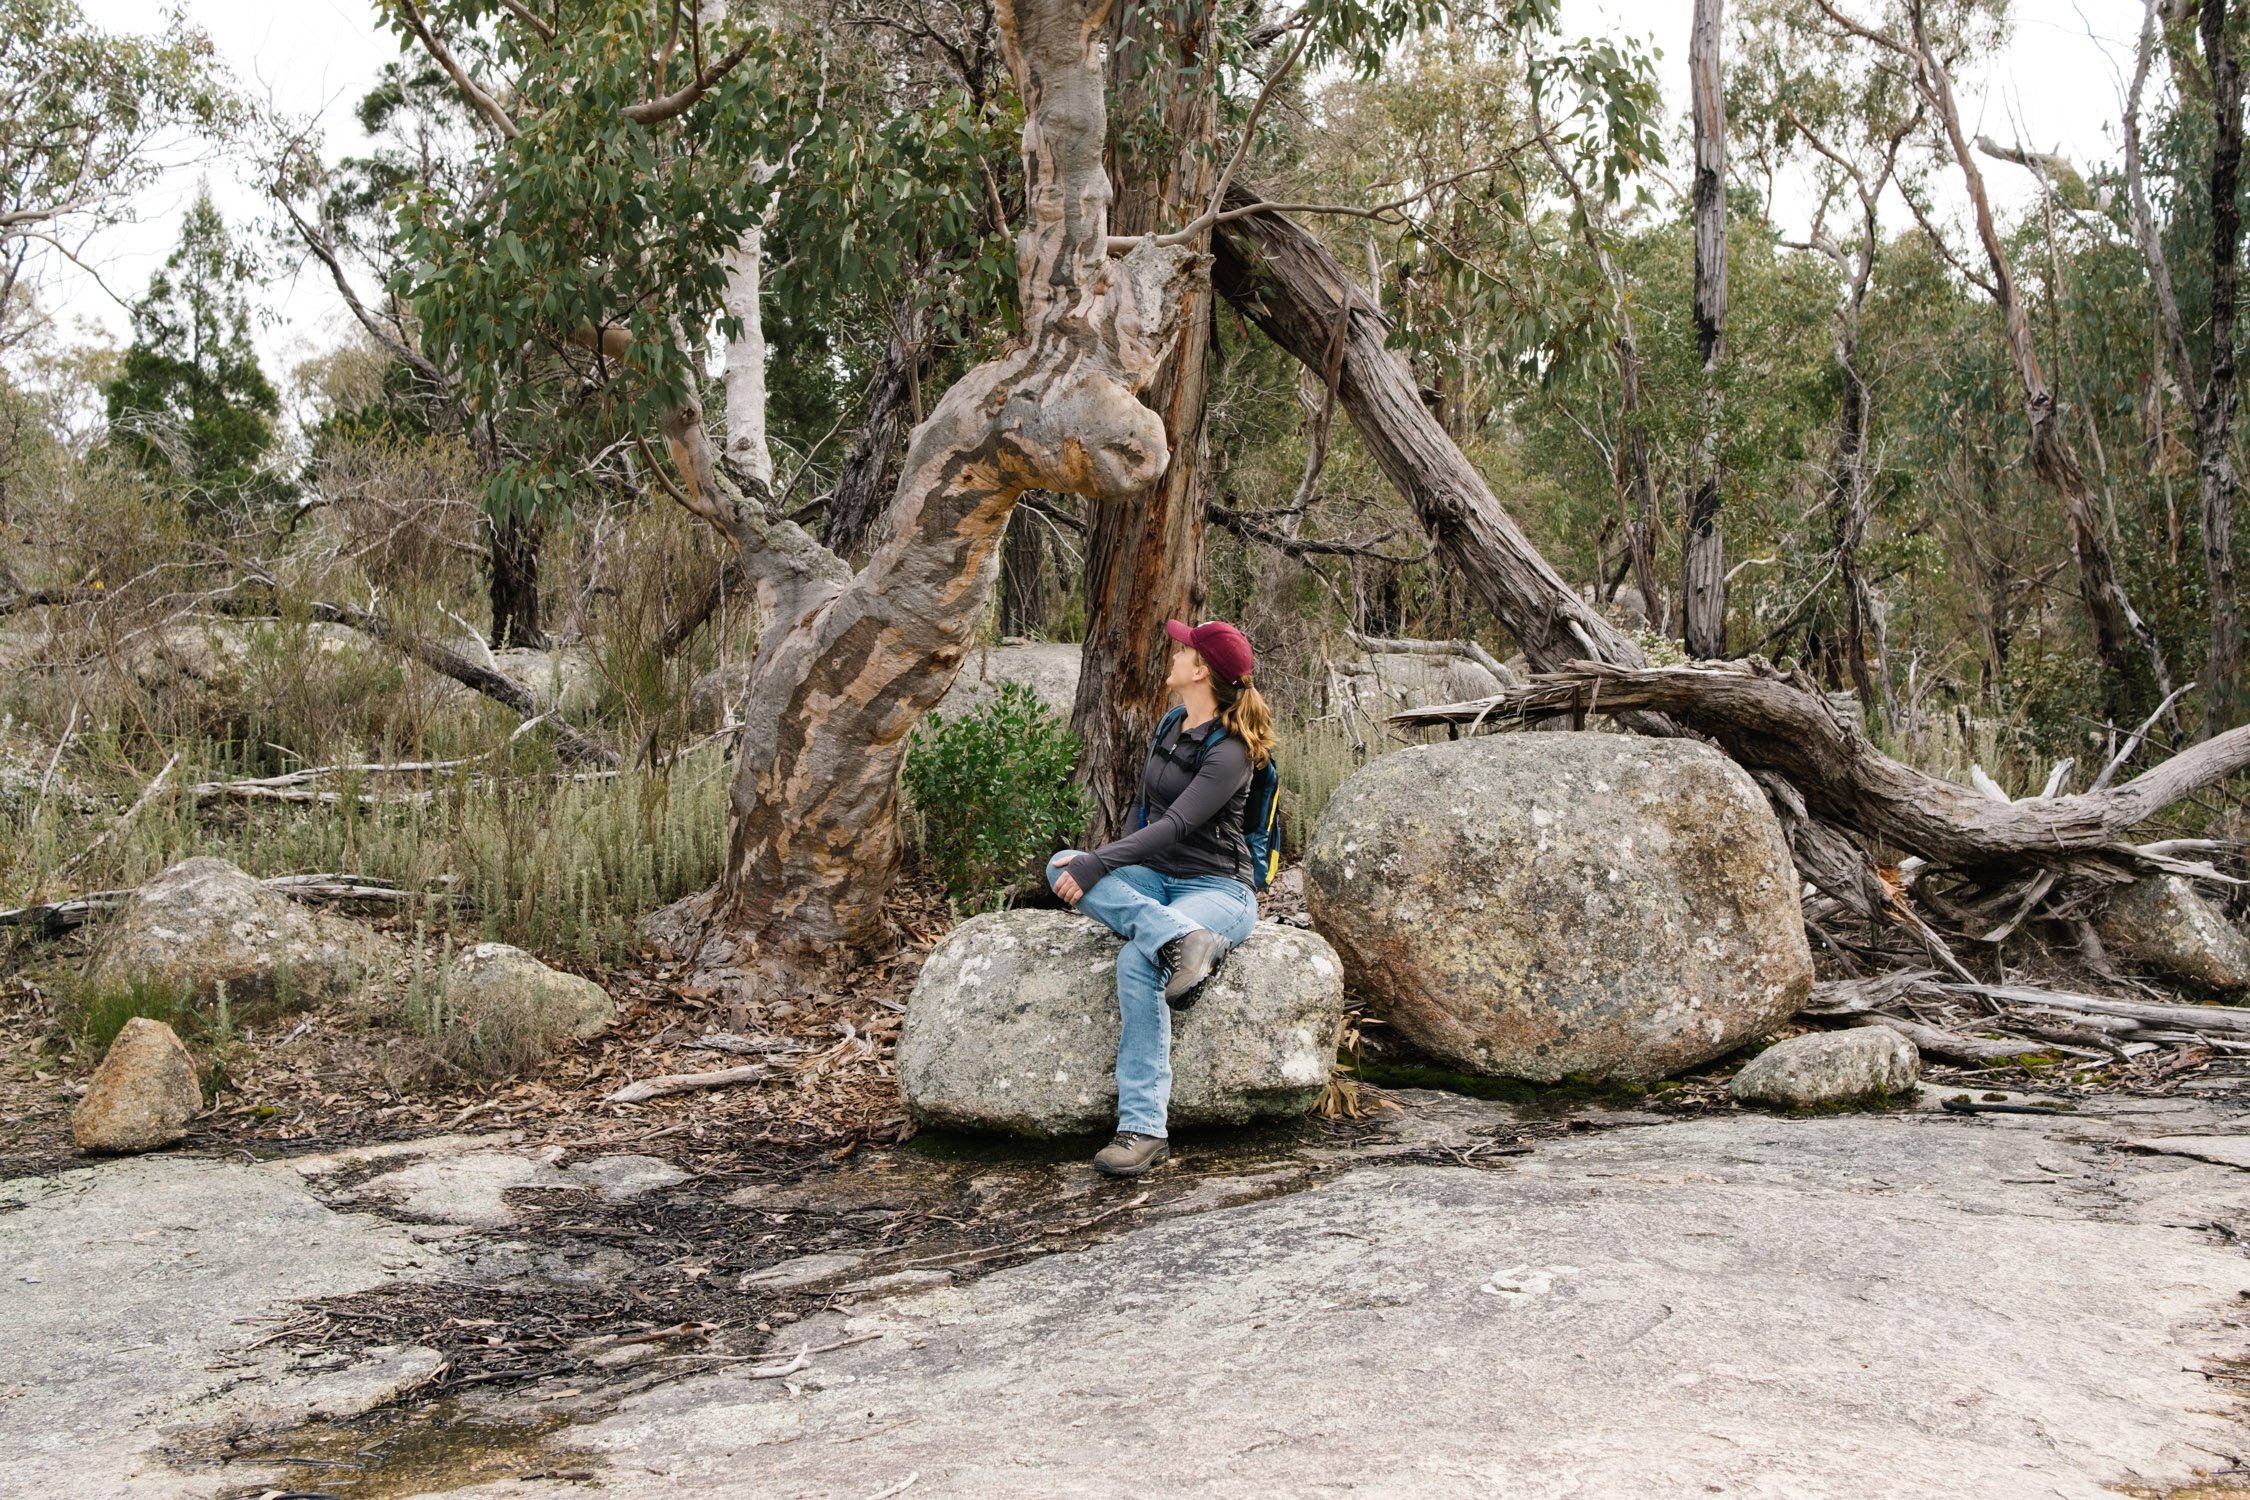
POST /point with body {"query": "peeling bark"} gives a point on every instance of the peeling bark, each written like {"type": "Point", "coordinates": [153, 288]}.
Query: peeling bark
{"type": "Point", "coordinates": [1144, 562]}
{"type": "Point", "coordinates": [2214, 418]}
{"type": "Point", "coordinates": [848, 664]}
{"type": "Point", "coordinates": [1703, 567]}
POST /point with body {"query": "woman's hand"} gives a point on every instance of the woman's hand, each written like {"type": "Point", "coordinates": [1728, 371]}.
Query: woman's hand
{"type": "Point", "coordinates": [1066, 886]}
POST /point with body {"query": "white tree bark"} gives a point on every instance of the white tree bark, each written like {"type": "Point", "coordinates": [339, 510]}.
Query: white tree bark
{"type": "Point", "coordinates": [746, 450]}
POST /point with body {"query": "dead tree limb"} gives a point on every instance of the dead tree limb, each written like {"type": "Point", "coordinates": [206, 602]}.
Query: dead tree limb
{"type": "Point", "coordinates": [1786, 726]}
{"type": "Point", "coordinates": [1286, 281]}
{"type": "Point", "coordinates": [572, 743]}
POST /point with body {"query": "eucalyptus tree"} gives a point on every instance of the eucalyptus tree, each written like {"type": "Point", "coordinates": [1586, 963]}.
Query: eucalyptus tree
{"type": "Point", "coordinates": [1926, 40]}
{"type": "Point", "coordinates": [1850, 123]}
{"type": "Point", "coordinates": [2219, 33]}
{"type": "Point", "coordinates": [88, 118]}
{"type": "Point", "coordinates": [641, 143]}
{"type": "Point", "coordinates": [428, 146]}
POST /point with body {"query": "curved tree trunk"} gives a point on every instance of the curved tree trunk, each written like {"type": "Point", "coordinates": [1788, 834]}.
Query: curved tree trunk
{"type": "Point", "coordinates": [1144, 562]}
{"type": "Point", "coordinates": [848, 664]}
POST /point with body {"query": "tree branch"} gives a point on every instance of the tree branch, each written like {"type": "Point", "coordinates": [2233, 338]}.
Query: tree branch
{"type": "Point", "coordinates": [656, 111]}
{"type": "Point", "coordinates": [485, 104]}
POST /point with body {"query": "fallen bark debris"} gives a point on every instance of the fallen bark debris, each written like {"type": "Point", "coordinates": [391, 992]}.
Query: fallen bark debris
{"type": "Point", "coordinates": [687, 1083]}
{"type": "Point", "coordinates": [1987, 1025]}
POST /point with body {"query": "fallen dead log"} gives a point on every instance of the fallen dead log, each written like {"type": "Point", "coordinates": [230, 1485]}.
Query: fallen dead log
{"type": "Point", "coordinates": [1787, 727]}
{"type": "Point", "coordinates": [571, 742]}
{"type": "Point", "coordinates": [1938, 1042]}
{"type": "Point", "coordinates": [2232, 1020]}
{"type": "Point", "coordinates": [53, 918]}
{"type": "Point", "coordinates": [687, 1083]}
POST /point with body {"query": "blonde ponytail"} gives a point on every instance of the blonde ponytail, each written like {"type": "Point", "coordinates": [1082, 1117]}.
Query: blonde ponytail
{"type": "Point", "coordinates": [1242, 708]}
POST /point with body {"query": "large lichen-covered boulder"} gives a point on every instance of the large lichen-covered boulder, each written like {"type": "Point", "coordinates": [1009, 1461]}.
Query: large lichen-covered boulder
{"type": "Point", "coordinates": [1544, 906]}
{"type": "Point", "coordinates": [2165, 923]}
{"type": "Point", "coordinates": [1013, 1027]}
{"type": "Point", "coordinates": [142, 1096]}
{"type": "Point", "coordinates": [203, 923]}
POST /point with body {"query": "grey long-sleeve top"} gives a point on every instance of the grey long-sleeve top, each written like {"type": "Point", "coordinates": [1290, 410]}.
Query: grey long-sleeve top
{"type": "Point", "coordinates": [1194, 817]}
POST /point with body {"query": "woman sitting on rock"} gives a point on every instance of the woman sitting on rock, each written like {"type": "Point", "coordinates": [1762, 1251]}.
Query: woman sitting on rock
{"type": "Point", "coordinates": [1177, 888]}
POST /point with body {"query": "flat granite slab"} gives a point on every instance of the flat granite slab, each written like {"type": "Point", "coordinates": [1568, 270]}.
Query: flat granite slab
{"type": "Point", "coordinates": [1893, 1305]}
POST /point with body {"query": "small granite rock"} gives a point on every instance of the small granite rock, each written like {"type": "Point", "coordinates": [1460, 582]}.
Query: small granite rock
{"type": "Point", "coordinates": [203, 923]}
{"type": "Point", "coordinates": [143, 1094]}
{"type": "Point", "coordinates": [522, 1008]}
{"type": "Point", "coordinates": [1013, 1026]}
{"type": "Point", "coordinates": [2164, 922]}
{"type": "Point", "coordinates": [1545, 905]}
{"type": "Point", "coordinates": [1830, 1067]}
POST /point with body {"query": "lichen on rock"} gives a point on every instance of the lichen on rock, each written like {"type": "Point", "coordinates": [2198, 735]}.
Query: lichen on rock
{"type": "Point", "coordinates": [203, 923]}
{"type": "Point", "coordinates": [1013, 1026]}
{"type": "Point", "coordinates": [1543, 906]}
{"type": "Point", "coordinates": [142, 1096]}
{"type": "Point", "coordinates": [1831, 1067]}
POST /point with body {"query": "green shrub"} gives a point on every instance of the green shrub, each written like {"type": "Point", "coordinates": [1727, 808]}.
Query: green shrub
{"type": "Point", "coordinates": [93, 1016]}
{"type": "Point", "coordinates": [991, 793]}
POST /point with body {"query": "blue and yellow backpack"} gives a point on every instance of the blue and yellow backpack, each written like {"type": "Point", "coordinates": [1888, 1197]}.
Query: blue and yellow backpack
{"type": "Point", "coordinates": [1261, 810]}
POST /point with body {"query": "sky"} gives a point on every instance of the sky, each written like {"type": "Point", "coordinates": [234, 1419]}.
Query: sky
{"type": "Point", "coordinates": [2057, 87]}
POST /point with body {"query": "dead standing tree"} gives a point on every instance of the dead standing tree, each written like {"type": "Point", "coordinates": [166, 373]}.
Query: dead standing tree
{"type": "Point", "coordinates": [1703, 564]}
{"type": "Point", "coordinates": [2117, 628]}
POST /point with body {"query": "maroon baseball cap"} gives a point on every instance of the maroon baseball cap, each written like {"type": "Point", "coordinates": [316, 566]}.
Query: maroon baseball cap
{"type": "Point", "coordinates": [1224, 647]}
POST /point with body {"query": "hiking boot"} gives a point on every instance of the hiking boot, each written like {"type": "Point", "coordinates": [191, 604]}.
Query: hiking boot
{"type": "Point", "coordinates": [1193, 958]}
{"type": "Point", "coordinates": [1130, 1153]}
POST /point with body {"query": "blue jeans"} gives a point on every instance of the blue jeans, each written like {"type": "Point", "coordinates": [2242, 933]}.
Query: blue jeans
{"type": "Point", "coordinates": [1148, 909]}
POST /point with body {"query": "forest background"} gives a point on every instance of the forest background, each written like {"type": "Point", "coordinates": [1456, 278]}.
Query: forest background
{"type": "Point", "coordinates": [214, 572]}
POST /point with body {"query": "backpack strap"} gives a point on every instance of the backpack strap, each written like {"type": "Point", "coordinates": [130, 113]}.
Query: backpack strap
{"type": "Point", "coordinates": [1175, 715]}
{"type": "Point", "coordinates": [1173, 718]}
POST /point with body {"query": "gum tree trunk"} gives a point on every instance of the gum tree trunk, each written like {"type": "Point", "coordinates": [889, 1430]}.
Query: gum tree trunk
{"type": "Point", "coordinates": [1703, 595]}
{"type": "Point", "coordinates": [2214, 418]}
{"type": "Point", "coordinates": [848, 663]}
{"type": "Point", "coordinates": [1144, 562]}
{"type": "Point", "coordinates": [514, 584]}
